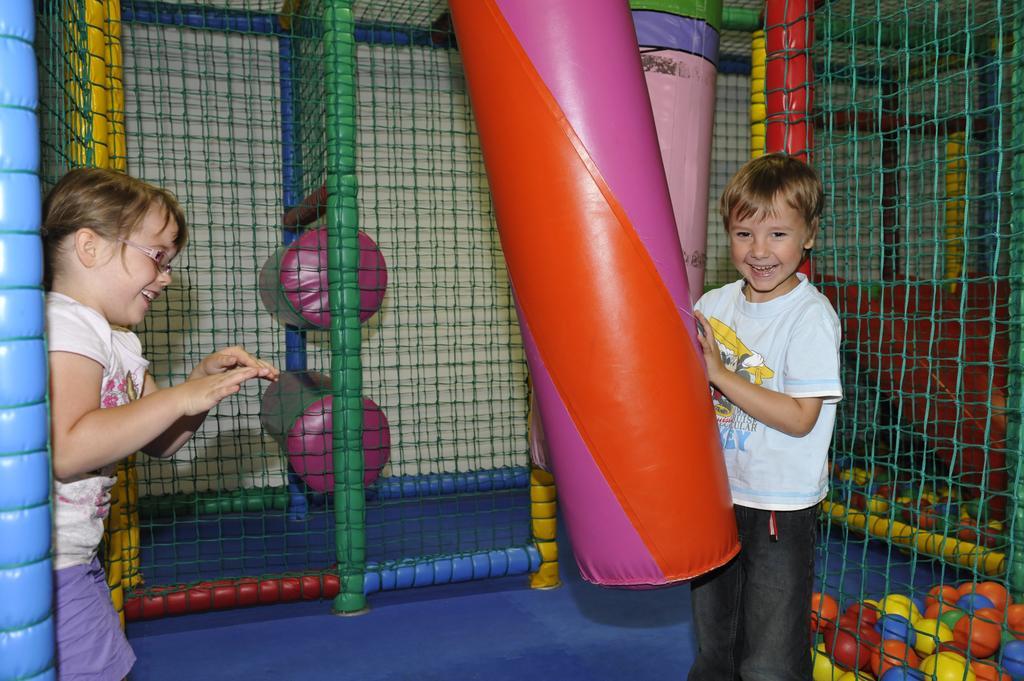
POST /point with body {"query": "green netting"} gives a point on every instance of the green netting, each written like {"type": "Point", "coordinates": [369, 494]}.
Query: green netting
{"type": "Point", "coordinates": [916, 142]}
{"type": "Point", "coordinates": [917, 137]}
{"type": "Point", "coordinates": [730, 145]}
{"type": "Point", "coordinates": [242, 115]}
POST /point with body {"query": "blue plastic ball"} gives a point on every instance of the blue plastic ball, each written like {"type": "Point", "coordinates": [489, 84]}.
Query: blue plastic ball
{"type": "Point", "coordinates": [902, 674]}
{"type": "Point", "coordinates": [1012, 658]}
{"type": "Point", "coordinates": [972, 601]}
{"type": "Point", "coordinates": [896, 627]}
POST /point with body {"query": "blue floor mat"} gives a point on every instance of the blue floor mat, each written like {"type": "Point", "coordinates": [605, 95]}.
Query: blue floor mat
{"type": "Point", "coordinates": [491, 630]}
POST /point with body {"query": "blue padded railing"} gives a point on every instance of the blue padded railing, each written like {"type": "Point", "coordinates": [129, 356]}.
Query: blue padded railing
{"type": "Point", "coordinates": [26, 575]}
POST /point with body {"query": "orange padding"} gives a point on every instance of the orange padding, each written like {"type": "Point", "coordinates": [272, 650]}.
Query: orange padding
{"type": "Point", "coordinates": [605, 325]}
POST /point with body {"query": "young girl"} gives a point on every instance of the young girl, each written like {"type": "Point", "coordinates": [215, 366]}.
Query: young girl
{"type": "Point", "coordinates": [109, 241]}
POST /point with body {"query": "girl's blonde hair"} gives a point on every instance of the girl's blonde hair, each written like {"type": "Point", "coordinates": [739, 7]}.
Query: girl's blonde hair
{"type": "Point", "coordinates": [110, 203]}
{"type": "Point", "coordinates": [753, 189]}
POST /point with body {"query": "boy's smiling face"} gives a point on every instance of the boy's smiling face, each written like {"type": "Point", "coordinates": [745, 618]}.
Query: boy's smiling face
{"type": "Point", "coordinates": [767, 250]}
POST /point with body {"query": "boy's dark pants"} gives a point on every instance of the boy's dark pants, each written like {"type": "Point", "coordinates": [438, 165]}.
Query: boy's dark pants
{"type": "Point", "coordinates": [752, 616]}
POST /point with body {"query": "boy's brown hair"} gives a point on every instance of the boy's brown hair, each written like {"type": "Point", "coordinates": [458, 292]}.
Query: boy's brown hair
{"type": "Point", "coordinates": [752, 190]}
{"type": "Point", "coordinates": [110, 203]}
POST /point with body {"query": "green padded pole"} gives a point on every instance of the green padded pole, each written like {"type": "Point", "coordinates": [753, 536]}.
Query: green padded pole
{"type": "Point", "coordinates": [741, 19]}
{"type": "Point", "coordinates": [1016, 358]}
{"type": "Point", "coordinates": [708, 10]}
{"type": "Point", "coordinates": [343, 294]}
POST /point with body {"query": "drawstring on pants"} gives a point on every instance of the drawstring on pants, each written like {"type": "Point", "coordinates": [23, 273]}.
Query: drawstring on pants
{"type": "Point", "coordinates": [773, 527]}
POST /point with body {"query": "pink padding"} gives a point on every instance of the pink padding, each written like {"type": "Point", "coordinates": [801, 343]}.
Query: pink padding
{"type": "Point", "coordinates": [310, 444]}
{"type": "Point", "coordinates": [304, 277]}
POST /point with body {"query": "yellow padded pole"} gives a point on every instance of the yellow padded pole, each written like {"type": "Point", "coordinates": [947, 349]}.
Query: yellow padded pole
{"type": "Point", "coordinates": [956, 205]}
{"type": "Point", "coordinates": [543, 523]}
{"type": "Point", "coordinates": [967, 554]}
{"type": "Point", "coordinates": [758, 102]}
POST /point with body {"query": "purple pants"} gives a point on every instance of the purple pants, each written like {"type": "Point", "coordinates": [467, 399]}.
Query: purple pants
{"type": "Point", "coordinates": [90, 643]}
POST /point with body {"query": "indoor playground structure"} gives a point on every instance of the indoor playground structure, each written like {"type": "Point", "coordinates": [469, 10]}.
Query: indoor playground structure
{"type": "Point", "coordinates": [471, 233]}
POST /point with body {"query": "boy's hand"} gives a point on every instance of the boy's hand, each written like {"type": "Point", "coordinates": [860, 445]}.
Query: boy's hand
{"type": "Point", "coordinates": [232, 358]}
{"type": "Point", "coordinates": [708, 344]}
{"type": "Point", "coordinates": [200, 394]}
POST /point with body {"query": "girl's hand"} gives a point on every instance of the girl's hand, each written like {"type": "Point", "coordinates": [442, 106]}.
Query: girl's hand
{"type": "Point", "coordinates": [708, 344]}
{"type": "Point", "coordinates": [199, 395]}
{"type": "Point", "coordinates": [232, 358]}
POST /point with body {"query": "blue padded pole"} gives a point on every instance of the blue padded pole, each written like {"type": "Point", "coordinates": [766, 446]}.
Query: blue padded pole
{"type": "Point", "coordinates": [26, 572]}
{"type": "Point", "coordinates": [291, 176]}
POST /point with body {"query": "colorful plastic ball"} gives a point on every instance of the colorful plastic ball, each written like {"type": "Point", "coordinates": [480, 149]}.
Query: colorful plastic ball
{"type": "Point", "coordinates": [964, 588]}
{"type": "Point", "coordinates": [930, 633]}
{"type": "Point", "coordinates": [951, 617]}
{"type": "Point", "coordinates": [952, 647]}
{"type": "Point", "coordinates": [901, 674]}
{"type": "Point", "coordinates": [1012, 658]}
{"type": "Point", "coordinates": [968, 531]}
{"type": "Point", "coordinates": [898, 604]}
{"type": "Point", "coordinates": [971, 602]}
{"type": "Point", "coordinates": [849, 646]}
{"type": "Point", "coordinates": [896, 628]}
{"type": "Point", "coordinates": [1015, 619]}
{"type": "Point", "coordinates": [943, 593]}
{"type": "Point", "coordinates": [859, 475]}
{"type": "Point", "coordinates": [824, 668]}
{"type": "Point", "coordinates": [987, 670]}
{"type": "Point", "coordinates": [928, 519]}
{"type": "Point", "coordinates": [979, 633]}
{"type": "Point", "coordinates": [892, 654]}
{"type": "Point", "coordinates": [855, 676]}
{"type": "Point", "coordinates": [824, 609]}
{"type": "Point", "coordinates": [862, 613]}
{"type": "Point", "coordinates": [947, 667]}
{"type": "Point", "coordinates": [995, 592]}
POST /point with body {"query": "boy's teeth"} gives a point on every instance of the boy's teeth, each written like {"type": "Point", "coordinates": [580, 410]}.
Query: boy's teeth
{"type": "Point", "coordinates": [150, 296]}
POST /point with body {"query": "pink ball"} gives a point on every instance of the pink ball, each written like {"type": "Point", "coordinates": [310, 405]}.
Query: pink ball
{"type": "Point", "coordinates": [310, 444]}
{"type": "Point", "coordinates": [304, 277]}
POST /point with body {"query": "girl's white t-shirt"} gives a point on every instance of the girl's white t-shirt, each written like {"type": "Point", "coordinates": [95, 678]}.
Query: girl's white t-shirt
{"type": "Point", "coordinates": [789, 345]}
{"type": "Point", "coordinates": [81, 505]}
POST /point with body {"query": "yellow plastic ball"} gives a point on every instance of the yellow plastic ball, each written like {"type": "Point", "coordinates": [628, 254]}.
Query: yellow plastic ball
{"type": "Point", "coordinates": [930, 633]}
{"type": "Point", "coordinates": [898, 604]}
{"type": "Point", "coordinates": [824, 668]}
{"type": "Point", "coordinates": [947, 666]}
{"type": "Point", "coordinates": [872, 602]}
{"type": "Point", "coordinates": [856, 676]}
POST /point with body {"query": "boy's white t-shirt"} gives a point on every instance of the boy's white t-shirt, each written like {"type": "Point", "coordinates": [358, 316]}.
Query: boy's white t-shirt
{"type": "Point", "coordinates": [789, 345]}
{"type": "Point", "coordinates": [80, 506]}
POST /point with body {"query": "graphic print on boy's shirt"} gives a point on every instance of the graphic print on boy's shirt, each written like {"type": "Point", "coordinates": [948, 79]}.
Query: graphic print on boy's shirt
{"type": "Point", "coordinates": [734, 424]}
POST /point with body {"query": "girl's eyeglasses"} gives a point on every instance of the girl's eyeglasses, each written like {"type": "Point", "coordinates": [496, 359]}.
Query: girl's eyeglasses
{"type": "Point", "coordinates": [157, 255]}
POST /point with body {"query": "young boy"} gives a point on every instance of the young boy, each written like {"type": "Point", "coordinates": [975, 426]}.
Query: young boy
{"type": "Point", "coordinates": [771, 345]}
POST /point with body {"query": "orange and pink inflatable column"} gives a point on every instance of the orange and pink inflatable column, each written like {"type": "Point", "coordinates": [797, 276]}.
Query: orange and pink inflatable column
{"type": "Point", "coordinates": [597, 272]}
